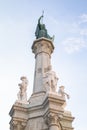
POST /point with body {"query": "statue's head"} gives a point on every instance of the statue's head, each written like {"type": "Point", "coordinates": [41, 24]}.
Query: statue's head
{"type": "Point", "coordinates": [61, 87]}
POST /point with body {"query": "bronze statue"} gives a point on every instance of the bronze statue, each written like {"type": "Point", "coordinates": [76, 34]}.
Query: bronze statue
{"type": "Point", "coordinates": [41, 30]}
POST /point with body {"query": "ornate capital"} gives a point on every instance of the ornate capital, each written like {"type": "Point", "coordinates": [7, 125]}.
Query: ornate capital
{"type": "Point", "coordinates": [53, 119]}
{"type": "Point", "coordinates": [42, 45]}
{"type": "Point", "coordinates": [17, 125]}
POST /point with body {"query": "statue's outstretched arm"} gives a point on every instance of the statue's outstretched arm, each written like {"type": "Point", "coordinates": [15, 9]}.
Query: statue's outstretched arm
{"type": "Point", "coordinates": [40, 20]}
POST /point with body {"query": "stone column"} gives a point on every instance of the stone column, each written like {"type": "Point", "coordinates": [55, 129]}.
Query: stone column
{"type": "Point", "coordinates": [42, 48]}
{"type": "Point", "coordinates": [53, 122]}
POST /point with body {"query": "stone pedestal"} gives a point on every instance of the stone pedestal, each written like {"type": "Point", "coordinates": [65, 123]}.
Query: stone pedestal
{"type": "Point", "coordinates": [19, 116]}
{"type": "Point", "coordinates": [48, 114]}
{"type": "Point", "coordinates": [45, 110]}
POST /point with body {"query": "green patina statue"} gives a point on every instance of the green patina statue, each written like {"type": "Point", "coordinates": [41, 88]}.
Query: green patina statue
{"type": "Point", "coordinates": [41, 30]}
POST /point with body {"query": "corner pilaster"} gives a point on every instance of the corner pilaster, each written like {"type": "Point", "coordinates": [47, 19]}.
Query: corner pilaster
{"type": "Point", "coordinates": [19, 116]}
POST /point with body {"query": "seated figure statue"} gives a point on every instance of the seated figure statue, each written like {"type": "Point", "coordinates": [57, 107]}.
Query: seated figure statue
{"type": "Point", "coordinates": [41, 30]}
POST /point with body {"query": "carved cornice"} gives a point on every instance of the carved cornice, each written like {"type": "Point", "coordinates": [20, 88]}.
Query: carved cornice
{"type": "Point", "coordinates": [55, 101]}
{"type": "Point", "coordinates": [42, 39]}
{"type": "Point", "coordinates": [18, 107]}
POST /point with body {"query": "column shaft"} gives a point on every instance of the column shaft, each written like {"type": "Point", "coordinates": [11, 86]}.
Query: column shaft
{"type": "Point", "coordinates": [54, 127]}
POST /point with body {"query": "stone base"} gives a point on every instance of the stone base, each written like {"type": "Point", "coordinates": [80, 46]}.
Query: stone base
{"type": "Point", "coordinates": [44, 112]}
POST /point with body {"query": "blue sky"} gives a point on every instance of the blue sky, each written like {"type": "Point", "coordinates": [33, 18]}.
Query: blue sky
{"type": "Point", "coordinates": [67, 20]}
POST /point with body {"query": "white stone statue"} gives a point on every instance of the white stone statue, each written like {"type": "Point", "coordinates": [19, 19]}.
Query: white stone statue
{"type": "Point", "coordinates": [22, 95]}
{"type": "Point", "coordinates": [50, 81]}
{"type": "Point", "coordinates": [62, 93]}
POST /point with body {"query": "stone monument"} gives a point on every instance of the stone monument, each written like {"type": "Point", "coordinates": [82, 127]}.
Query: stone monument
{"type": "Point", "coordinates": [45, 108]}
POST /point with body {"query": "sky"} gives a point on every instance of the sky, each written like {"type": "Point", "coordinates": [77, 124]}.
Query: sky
{"type": "Point", "coordinates": [67, 20]}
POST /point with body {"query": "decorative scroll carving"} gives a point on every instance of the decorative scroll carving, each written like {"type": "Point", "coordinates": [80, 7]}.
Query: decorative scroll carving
{"type": "Point", "coordinates": [22, 95]}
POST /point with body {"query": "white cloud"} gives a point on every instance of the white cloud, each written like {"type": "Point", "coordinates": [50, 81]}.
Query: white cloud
{"type": "Point", "coordinates": [83, 32]}
{"type": "Point", "coordinates": [77, 35]}
{"type": "Point", "coordinates": [83, 18]}
{"type": "Point", "coordinates": [74, 44]}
